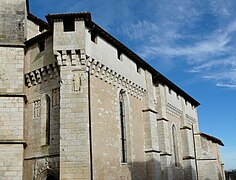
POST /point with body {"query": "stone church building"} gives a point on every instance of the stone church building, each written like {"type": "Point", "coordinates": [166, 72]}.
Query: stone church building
{"type": "Point", "coordinates": [75, 103]}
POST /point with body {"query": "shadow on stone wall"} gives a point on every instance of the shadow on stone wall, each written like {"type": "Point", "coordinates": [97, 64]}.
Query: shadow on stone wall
{"type": "Point", "coordinates": [138, 171]}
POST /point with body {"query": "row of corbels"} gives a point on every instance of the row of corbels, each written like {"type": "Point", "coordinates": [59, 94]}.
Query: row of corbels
{"type": "Point", "coordinates": [70, 57]}
{"type": "Point", "coordinates": [43, 74]}
{"type": "Point", "coordinates": [173, 109]}
{"type": "Point", "coordinates": [110, 76]}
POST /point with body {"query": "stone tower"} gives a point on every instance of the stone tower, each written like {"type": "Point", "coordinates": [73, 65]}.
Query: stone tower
{"type": "Point", "coordinates": [70, 53]}
{"type": "Point", "coordinates": [12, 98]}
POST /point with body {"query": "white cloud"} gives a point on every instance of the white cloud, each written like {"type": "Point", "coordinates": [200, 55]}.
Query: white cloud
{"type": "Point", "coordinates": [139, 30]}
{"type": "Point", "coordinates": [211, 54]}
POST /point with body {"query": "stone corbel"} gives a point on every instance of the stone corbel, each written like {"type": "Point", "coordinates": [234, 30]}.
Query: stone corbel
{"type": "Point", "coordinates": [38, 76]}
{"type": "Point", "coordinates": [116, 79]}
{"type": "Point", "coordinates": [119, 80]}
{"type": "Point", "coordinates": [132, 88]}
{"type": "Point", "coordinates": [113, 77]}
{"type": "Point", "coordinates": [82, 57]}
{"type": "Point", "coordinates": [136, 90]}
{"type": "Point", "coordinates": [43, 74]}
{"type": "Point", "coordinates": [126, 83]}
{"type": "Point", "coordinates": [103, 70]}
{"type": "Point", "coordinates": [58, 57]}
{"type": "Point", "coordinates": [93, 67]}
{"type": "Point", "coordinates": [27, 80]}
{"type": "Point", "coordinates": [64, 58]}
{"type": "Point", "coordinates": [49, 71]}
{"type": "Point", "coordinates": [73, 58]}
{"type": "Point", "coordinates": [142, 91]}
{"type": "Point", "coordinates": [108, 71]}
{"type": "Point", "coordinates": [99, 66]}
{"type": "Point", "coordinates": [55, 69]}
{"type": "Point", "coordinates": [129, 87]}
{"type": "Point", "coordinates": [33, 79]}
{"type": "Point", "coordinates": [89, 62]}
{"type": "Point", "coordinates": [123, 81]}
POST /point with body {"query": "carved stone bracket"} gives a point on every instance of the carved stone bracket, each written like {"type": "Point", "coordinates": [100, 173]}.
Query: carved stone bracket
{"type": "Point", "coordinates": [43, 74]}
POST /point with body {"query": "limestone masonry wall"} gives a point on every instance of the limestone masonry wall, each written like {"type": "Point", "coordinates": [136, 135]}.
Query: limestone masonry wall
{"type": "Point", "coordinates": [11, 70]}
{"type": "Point", "coordinates": [11, 161]}
{"type": "Point", "coordinates": [106, 132]}
{"type": "Point", "coordinates": [12, 21]}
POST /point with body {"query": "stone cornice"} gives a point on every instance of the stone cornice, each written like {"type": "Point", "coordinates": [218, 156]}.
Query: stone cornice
{"type": "Point", "coordinates": [165, 154]}
{"type": "Point", "coordinates": [152, 151]}
{"type": "Point", "coordinates": [14, 95]}
{"type": "Point", "coordinates": [163, 119]}
{"type": "Point", "coordinates": [149, 110]}
{"type": "Point", "coordinates": [12, 141]}
{"type": "Point", "coordinates": [42, 74]}
{"type": "Point", "coordinates": [188, 157]}
{"type": "Point", "coordinates": [185, 127]}
{"type": "Point", "coordinates": [207, 159]}
{"type": "Point", "coordinates": [41, 157]}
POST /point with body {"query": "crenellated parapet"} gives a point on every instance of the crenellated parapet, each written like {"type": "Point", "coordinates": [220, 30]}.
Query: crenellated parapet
{"type": "Point", "coordinates": [41, 75]}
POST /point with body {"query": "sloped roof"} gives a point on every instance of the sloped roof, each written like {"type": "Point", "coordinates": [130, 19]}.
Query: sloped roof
{"type": "Point", "coordinates": [157, 76]}
{"type": "Point", "coordinates": [38, 21]}
{"type": "Point", "coordinates": [212, 138]}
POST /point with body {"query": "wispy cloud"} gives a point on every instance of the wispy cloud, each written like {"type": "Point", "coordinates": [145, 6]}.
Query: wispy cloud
{"type": "Point", "coordinates": [139, 30]}
{"type": "Point", "coordinates": [192, 32]}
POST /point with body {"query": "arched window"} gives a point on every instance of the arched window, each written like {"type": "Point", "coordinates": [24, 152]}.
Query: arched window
{"type": "Point", "coordinates": [47, 174]}
{"type": "Point", "coordinates": [123, 126]}
{"type": "Point", "coordinates": [45, 120]}
{"type": "Point", "coordinates": [175, 146]}
{"type": "Point", "coordinates": [50, 177]}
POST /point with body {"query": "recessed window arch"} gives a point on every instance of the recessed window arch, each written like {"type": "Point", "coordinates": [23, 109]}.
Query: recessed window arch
{"type": "Point", "coordinates": [175, 146]}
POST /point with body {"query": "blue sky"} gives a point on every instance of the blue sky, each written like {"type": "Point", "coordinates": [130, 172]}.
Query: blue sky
{"type": "Point", "coordinates": [191, 42]}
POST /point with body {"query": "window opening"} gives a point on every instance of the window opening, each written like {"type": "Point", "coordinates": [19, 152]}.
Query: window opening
{"type": "Point", "coordinates": [123, 128]}
{"type": "Point", "coordinates": [94, 36]}
{"type": "Point", "coordinates": [138, 69]}
{"type": "Point", "coordinates": [119, 54]}
{"type": "Point", "coordinates": [37, 105]}
{"type": "Point", "coordinates": [175, 146]}
{"type": "Point", "coordinates": [69, 25]}
{"type": "Point", "coordinates": [41, 46]}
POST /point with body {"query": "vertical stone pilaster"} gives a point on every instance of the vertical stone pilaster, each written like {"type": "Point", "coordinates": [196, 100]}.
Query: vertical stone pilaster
{"type": "Point", "coordinates": [188, 145]}
{"type": "Point", "coordinates": [153, 161]}
{"type": "Point", "coordinates": [163, 134]}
